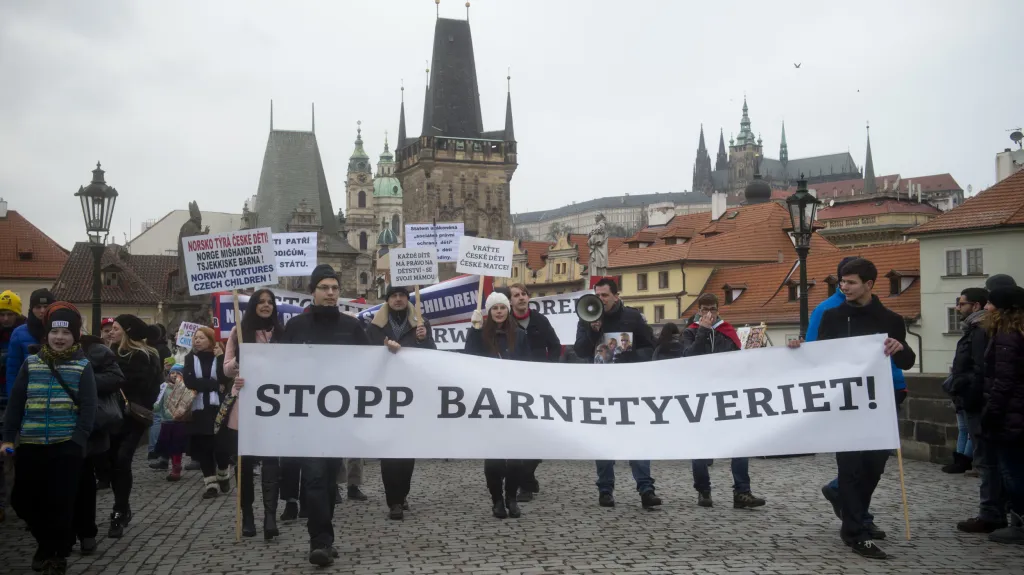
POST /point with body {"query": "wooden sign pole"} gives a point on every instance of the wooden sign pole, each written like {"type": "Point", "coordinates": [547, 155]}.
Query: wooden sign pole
{"type": "Point", "coordinates": [419, 306]}
{"type": "Point", "coordinates": [480, 294]}
{"type": "Point", "coordinates": [238, 457]}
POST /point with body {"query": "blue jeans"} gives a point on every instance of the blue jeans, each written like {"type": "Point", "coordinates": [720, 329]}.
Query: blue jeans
{"type": "Point", "coordinates": [964, 445]}
{"type": "Point", "coordinates": [868, 516]}
{"type": "Point", "coordinates": [154, 431]}
{"type": "Point", "coordinates": [641, 473]}
{"type": "Point", "coordinates": [740, 475]}
{"type": "Point", "coordinates": [1011, 465]}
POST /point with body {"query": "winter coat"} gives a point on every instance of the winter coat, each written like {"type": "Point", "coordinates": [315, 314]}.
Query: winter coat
{"type": "Point", "coordinates": [231, 366]}
{"type": "Point", "coordinates": [700, 340]}
{"type": "Point", "coordinates": [967, 374]}
{"type": "Point", "coordinates": [544, 342]}
{"type": "Point", "coordinates": [324, 325]}
{"type": "Point", "coordinates": [380, 329]}
{"type": "Point", "coordinates": [835, 300]}
{"type": "Point", "coordinates": [620, 320]}
{"type": "Point", "coordinates": [17, 351]}
{"type": "Point", "coordinates": [109, 380]}
{"type": "Point", "coordinates": [671, 349]}
{"type": "Point", "coordinates": [5, 342]}
{"type": "Point", "coordinates": [1002, 417]}
{"type": "Point", "coordinates": [849, 320]}
{"type": "Point", "coordinates": [41, 412]}
{"type": "Point", "coordinates": [143, 376]}
{"type": "Point", "coordinates": [210, 384]}
{"type": "Point", "coordinates": [475, 345]}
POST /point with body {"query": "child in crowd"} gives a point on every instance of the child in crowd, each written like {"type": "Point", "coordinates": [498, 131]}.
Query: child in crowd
{"type": "Point", "coordinates": [173, 434]}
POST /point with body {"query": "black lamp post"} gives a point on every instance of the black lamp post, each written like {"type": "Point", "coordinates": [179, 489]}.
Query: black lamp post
{"type": "Point", "coordinates": [97, 208]}
{"type": "Point", "coordinates": [803, 208]}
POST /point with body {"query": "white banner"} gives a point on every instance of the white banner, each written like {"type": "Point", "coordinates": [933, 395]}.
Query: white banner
{"type": "Point", "coordinates": [485, 257]}
{"type": "Point", "coordinates": [827, 396]}
{"type": "Point", "coordinates": [229, 261]}
{"type": "Point", "coordinates": [442, 236]}
{"type": "Point", "coordinates": [185, 332]}
{"type": "Point", "coordinates": [560, 310]}
{"type": "Point", "coordinates": [413, 266]}
{"type": "Point", "coordinates": [295, 253]}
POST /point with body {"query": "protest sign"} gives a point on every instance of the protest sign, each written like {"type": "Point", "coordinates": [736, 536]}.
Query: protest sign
{"type": "Point", "coordinates": [185, 332]}
{"type": "Point", "coordinates": [289, 304]}
{"type": "Point", "coordinates": [295, 253]}
{"type": "Point", "coordinates": [413, 266]}
{"type": "Point", "coordinates": [560, 311]}
{"type": "Point", "coordinates": [229, 261]}
{"type": "Point", "coordinates": [827, 396]}
{"type": "Point", "coordinates": [485, 257]}
{"type": "Point", "coordinates": [444, 237]}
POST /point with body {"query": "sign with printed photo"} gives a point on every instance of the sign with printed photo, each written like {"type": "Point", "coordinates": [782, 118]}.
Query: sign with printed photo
{"type": "Point", "coordinates": [612, 345]}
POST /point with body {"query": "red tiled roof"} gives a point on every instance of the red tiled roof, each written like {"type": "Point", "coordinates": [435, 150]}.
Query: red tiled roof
{"type": "Point", "coordinates": [142, 279]}
{"type": "Point", "coordinates": [1002, 205]}
{"type": "Point", "coordinates": [536, 252]}
{"type": "Point", "coordinates": [766, 298]}
{"type": "Point", "coordinates": [17, 237]}
{"type": "Point", "coordinates": [848, 188]}
{"type": "Point", "coordinates": [935, 183]}
{"type": "Point", "coordinates": [583, 249]}
{"type": "Point", "coordinates": [874, 206]}
{"type": "Point", "coordinates": [625, 258]}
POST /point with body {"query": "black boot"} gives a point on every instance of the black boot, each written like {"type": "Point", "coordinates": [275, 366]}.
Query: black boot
{"type": "Point", "coordinates": [513, 507]}
{"type": "Point", "coordinates": [961, 463]}
{"type": "Point", "coordinates": [270, 495]}
{"type": "Point", "coordinates": [498, 510]}
{"type": "Point", "coordinates": [291, 511]}
{"type": "Point", "coordinates": [248, 523]}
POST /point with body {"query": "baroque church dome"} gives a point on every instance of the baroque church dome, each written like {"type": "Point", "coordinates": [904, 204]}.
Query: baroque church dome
{"type": "Point", "coordinates": [386, 237]}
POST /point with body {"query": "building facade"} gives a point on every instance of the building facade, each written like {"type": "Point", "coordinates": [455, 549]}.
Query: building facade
{"type": "Point", "coordinates": [864, 221]}
{"type": "Point", "coordinates": [160, 237]}
{"type": "Point", "coordinates": [29, 259]}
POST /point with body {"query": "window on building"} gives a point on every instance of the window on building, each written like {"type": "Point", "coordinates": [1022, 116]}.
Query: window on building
{"type": "Point", "coordinates": [894, 285]}
{"type": "Point", "coordinates": [975, 265]}
{"type": "Point", "coordinates": [641, 282]}
{"type": "Point", "coordinates": [794, 292]}
{"type": "Point", "coordinates": [662, 280]}
{"type": "Point", "coordinates": [954, 266]}
{"type": "Point", "coordinates": [728, 296]}
{"type": "Point", "coordinates": [362, 240]}
{"type": "Point", "coordinates": [362, 199]}
{"type": "Point", "coordinates": [832, 287]}
{"type": "Point", "coordinates": [362, 278]}
{"type": "Point", "coordinates": [952, 320]}
{"type": "Point", "coordinates": [659, 313]}
{"type": "Point", "coordinates": [396, 224]}
{"type": "Point", "coordinates": [670, 241]}
{"type": "Point", "coordinates": [110, 278]}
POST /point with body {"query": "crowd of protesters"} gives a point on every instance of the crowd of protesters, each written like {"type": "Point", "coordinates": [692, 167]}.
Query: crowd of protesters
{"type": "Point", "coordinates": [78, 406]}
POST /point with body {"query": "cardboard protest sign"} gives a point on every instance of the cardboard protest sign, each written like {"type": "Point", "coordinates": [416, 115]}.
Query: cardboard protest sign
{"type": "Point", "coordinates": [229, 261]}
{"type": "Point", "coordinates": [442, 236]}
{"type": "Point", "coordinates": [413, 266]}
{"type": "Point", "coordinates": [485, 257]}
{"type": "Point", "coordinates": [185, 332]}
{"type": "Point", "coordinates": [295, 253]}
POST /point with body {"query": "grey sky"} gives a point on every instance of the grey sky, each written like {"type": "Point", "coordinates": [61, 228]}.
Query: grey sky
{"type": "Point", "coordinates": [173, 97]}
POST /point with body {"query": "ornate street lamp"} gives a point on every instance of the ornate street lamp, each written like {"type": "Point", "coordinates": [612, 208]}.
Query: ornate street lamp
{"type": "Point", "coordinates": [98, 201]}
{"type": "Point", "coordinates": [803, 208]}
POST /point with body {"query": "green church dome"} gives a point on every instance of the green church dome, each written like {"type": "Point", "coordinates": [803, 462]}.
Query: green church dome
{"type": "Point", "coordinates": [386, 237]}
{"type": "Point", "coordinates": [387, 186]}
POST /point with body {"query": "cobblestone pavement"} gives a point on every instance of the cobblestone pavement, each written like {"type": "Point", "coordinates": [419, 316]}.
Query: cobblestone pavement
{"type": "Point", "coordinates": [450, 529]}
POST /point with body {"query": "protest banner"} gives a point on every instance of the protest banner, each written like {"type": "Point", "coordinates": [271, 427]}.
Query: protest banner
{"type": "Point", "coordinates": [295, 253]}
{"type": "Point", "coordinates": [444, 237]}
{"type": "Point", "coordinates": [185, 332]}
{"type": "Point", "coordinates": [559, 309]}
{"type": "Point", "coordinates": [289, 304]}
{"type": "Point", "coordinates": [447, 302]}
{"type": "Point", "coordinates": [229, 261]}
{"type": "Point", "coordinates": [827, 396]}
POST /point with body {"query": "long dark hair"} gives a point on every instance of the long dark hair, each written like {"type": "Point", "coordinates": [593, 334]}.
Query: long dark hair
{"type": "Point", "coordinates": [668, 332]}
{"type": "Point", "coordinates": [251, 321]}
{"type": "Point", "coordinates": [490, 333]}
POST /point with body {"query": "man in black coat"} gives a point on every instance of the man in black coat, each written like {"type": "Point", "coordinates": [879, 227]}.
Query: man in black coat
{"type": "Point", "coordinates": [859, 471]}
{"type": "Point", "coordinates": [618, 319]}
{"type": "Point", "coordinates": [397, 324]}
{"type": "Point", "coordinates": [544, 347]}
{"type": "Point", "coordinates": [323, 324]}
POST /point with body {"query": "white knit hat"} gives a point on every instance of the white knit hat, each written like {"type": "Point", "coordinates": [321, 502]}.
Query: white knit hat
{"type": "Point", "coordinates": [494, 299]}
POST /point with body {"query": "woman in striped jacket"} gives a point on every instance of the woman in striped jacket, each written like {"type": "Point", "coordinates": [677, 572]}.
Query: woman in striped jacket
{"type": "Point", "coordinates": [51, 410]}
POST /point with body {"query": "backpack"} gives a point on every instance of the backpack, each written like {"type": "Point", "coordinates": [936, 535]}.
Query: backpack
{"type": "Point", "coordinates": [178, 402]}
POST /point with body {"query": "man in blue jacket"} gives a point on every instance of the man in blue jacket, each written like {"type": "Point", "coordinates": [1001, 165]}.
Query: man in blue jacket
{"type": "Point", "coordinates": [30, 333]}
{"type": "Point", "coordinates": [831, 490]}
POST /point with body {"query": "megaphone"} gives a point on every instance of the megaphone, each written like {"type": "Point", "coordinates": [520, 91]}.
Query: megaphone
{"type": "Point", "coordinates": [590, 308]}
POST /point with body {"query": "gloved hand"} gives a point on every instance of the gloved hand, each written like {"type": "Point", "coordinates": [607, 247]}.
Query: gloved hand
{"type": "Point", "coordinates": [477, 319]}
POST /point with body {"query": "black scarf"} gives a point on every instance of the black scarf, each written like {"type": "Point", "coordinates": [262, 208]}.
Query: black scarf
{"type": "Point", "coordinates": [325, 312]}
{"type": "Point", "coordinates": [399, 321]}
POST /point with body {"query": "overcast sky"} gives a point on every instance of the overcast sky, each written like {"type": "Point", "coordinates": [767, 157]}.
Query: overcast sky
{"type": "Point", "coordinates": [608, 97]}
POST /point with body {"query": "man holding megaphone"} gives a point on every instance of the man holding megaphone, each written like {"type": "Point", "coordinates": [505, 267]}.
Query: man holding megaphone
{"type": "Point", "coordinates": [600, 314]}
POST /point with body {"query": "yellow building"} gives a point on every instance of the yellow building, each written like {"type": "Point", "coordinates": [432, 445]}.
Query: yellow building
{"type": "Point", "coordinates": [869, 221]}
{"type": "Point", "coordinates": [552, 268]}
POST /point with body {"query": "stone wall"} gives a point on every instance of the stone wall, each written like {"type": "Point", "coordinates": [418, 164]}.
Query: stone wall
{"type": "Point", "coordinates": [927, 419]}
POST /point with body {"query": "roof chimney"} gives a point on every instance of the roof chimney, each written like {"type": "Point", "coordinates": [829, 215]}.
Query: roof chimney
{"type": "Point", "coordinates": [3, 209]}
{"type": "Point", "coordinates": [718, 205]}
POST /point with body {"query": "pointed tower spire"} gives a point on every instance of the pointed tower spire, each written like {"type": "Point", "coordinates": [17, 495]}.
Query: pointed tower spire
{"type": "Point", "coordinates": [428, 104]}
{"type": "Point", "coordinates": [401, 121]}
{"type": "Point", "coordinates": [510, 135]}
{"type": "Point", "coordinates": [746, 135]}
{"type": "Point", "coordinates": [869, 169]}
{"type": "Point", "coordinates": [702, 181]}
{"type": "Point", "coordinates": [359, 161]}
{"type": "Point", "coordinates": [784, 148]}
{"type": "Point", "coordinates": [700, 145]}
{"type": "Point", "coordinates": [722, 161]}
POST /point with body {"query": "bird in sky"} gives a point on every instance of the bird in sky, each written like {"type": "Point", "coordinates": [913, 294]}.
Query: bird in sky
{"type": "Point", "coordinates": [797, 65]}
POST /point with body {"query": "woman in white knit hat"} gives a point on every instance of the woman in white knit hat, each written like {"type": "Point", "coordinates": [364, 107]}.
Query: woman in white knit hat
{"type": "Point", "coordinates": [497, 335]}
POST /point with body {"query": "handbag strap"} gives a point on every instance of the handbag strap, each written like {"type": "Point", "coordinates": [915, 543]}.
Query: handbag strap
{"type": "Point", "coordinates": [60, 380]}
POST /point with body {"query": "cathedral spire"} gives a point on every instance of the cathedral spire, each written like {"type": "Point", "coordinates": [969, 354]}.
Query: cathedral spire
{"type": "Point", "coordinates": [869, 169]}
{"type": "Point", "coordinates": [702, 181]}
{"type": "Point", "coordinates": [510, 135]}
{"type": "Point", "coordinates": [401, 122]}
{"type": "Point", "coordinates": [700, 145]}
{"type": "Point", "coordinates": [783, 148]}
{"type": "Point", "coordinates": [722, 161]}
{"type": "Point", "coordinates": [746, 135]}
